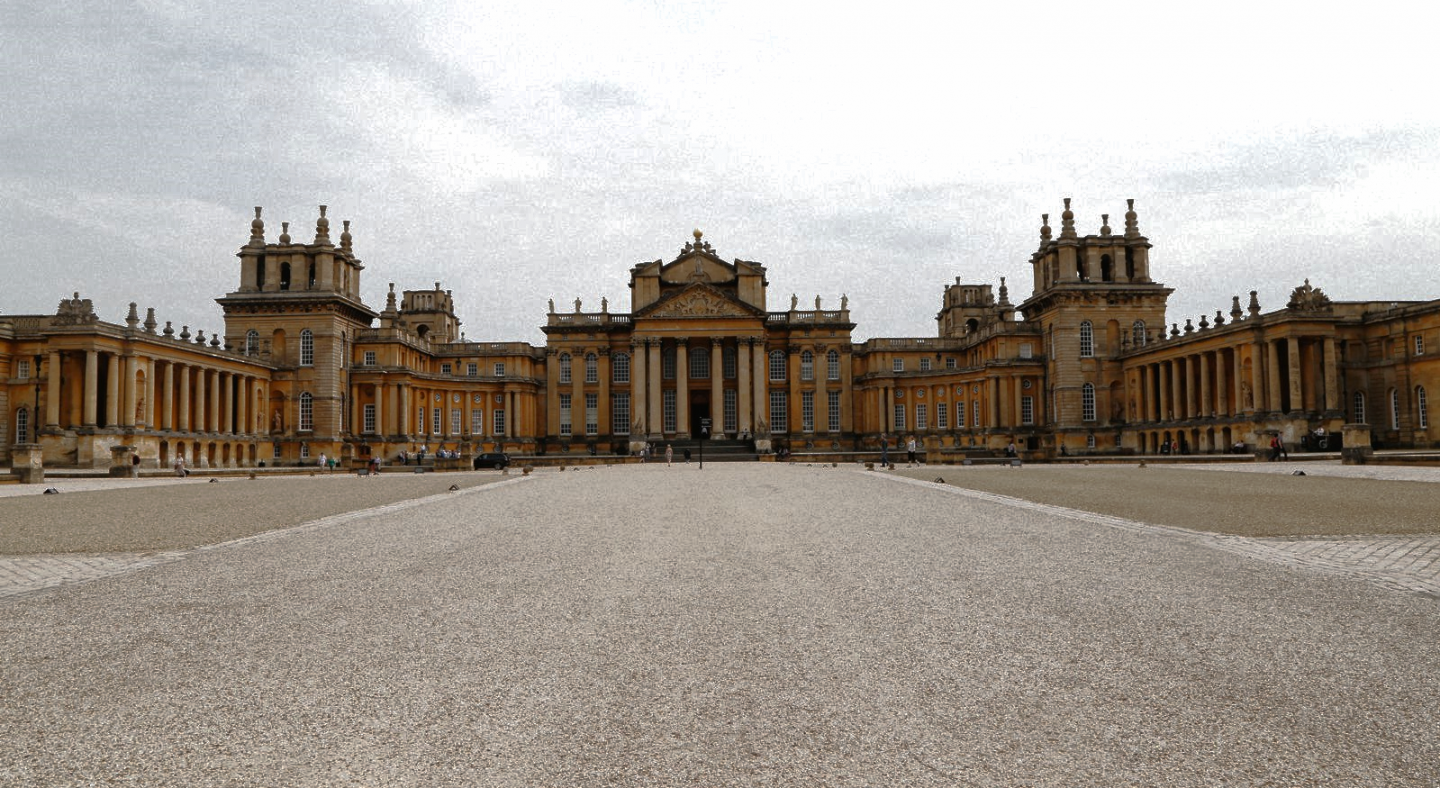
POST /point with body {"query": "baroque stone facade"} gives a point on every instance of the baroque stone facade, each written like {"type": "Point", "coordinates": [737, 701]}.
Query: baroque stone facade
{"type": "Point", "coordinates": [1084, 365]}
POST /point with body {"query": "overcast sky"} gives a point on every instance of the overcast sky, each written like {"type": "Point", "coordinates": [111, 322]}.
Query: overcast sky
{"type": "Point", "coordinates": [531, 150]}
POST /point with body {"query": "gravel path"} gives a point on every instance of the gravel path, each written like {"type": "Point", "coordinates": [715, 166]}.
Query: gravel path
{"type": "Point", "coordinates": [744, 625]}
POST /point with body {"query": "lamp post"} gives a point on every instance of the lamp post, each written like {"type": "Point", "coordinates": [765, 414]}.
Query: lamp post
{"type": "Point", "coordinates": [704, 432]}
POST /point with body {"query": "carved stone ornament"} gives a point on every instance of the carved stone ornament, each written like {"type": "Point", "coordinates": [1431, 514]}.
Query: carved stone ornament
{"type": "Point", "coordinates": [1308, 299]}
{"type": "Point", "coordinates": [75, 311]}
{"type": "Point", "coordinates": [699, 303]}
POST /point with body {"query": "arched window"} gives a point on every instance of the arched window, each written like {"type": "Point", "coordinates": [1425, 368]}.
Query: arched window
{"type": "Point", "coordinates": [1138, 336]}
{"type": "Point", "coordinates": [310, 280]}
{"type": "Point", "coordinates": [1360, 408]}
{"type": "Point", "coordinates": [1394, 409]}
{"type": "Point", "coordinates": [700, 362]}
{"type": "Point", "coordinates": [564, 367]}
{"type": "Point", "coordinates": [807, 365]}
{"type": "Point", "coordinates": [307, 412]}
{"type": "Point", "coordinates": [1087, 339]}
{"type": "Point", "coordinates": [620, 369]}
{"type": "Point", "coordinates": [777, 365]}
{"type": "Point", "coordinates": [1130, 264]}
{"type": "Point", "coordinates": [592, 368]}
{"type": "Point", "coordinates": [307, 348]}
{"type": "Point", "coordinates": [1087, 402]}
{"type": "Point", "coordinates": [22, 426]}
{"type": "Point", "coordinates": [1421, 408]}
{"type": "Point", "coordinates": [284, 276]}
{"type": "Point", "coordinates": [667, 363]}
{"type": "Point", "coordinates": [260, 273]}
{"type": "Point", "coordinates": [252, 342]}
{"type": "Point", "coordinates": [832, 365]}
{"type": "Point", "coordinates": [727, 362]}
{"type": "Point", "coordinates": [1107, 269]}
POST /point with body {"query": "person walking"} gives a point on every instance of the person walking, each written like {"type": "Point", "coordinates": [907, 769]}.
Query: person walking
{"type": "Point", "coordinates": [180, 465]}
{"type": "Point", "coordinates": [910, 450]}
{"type": "Point", "coordinates": [669, 454]}
{"type": "Point", "coordinates": [884, 450]}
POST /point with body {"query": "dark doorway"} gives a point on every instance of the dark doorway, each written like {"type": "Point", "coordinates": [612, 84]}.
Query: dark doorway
{"type": "Point", "coordinates": [699, 409]}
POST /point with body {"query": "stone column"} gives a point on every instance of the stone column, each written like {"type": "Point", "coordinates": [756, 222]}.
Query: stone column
{"type": "Point", "coordinates": [652, 367]}
{"type": "Point", "coordinates": [992, 407]}
{"type": "Point", "coordinates": [1222, 385]}
{"type": "Point", "coordinates": [227, 401]}
{"type": "Point", "coordinates": [183, 409]}
{"type": "Point", "coordinates": [147, 413]}
{"type": "Point", "coordinates": [1297, 396]}
{"type": "Point", "coordinates": [212, 413]}
{"type": "Point", "coordinates": [603, 418]}
{"type": "Point", "coordinates": [682, 387]}
{"type": "Point", "coordinates": [1240, 382]}
{"type": "Point", "coordinates": [1332, 377]}
{"type": "Point", "coordinates": [112, 390]}
{"type": "Point", "coordinates": [822, 396]}
{"type": "Point", "coordinates": [847, 393]}
{"type": "Point", "coordinates": [167, 398]}
{"type": "Point", "coordinates": [92, 394]}
{"type": "Point", "coordinates": [127, 391]}
{"type": "Point", "coordinates": [200, 400]}
{"type": "Point", "coordinates": [1191, 409]}
{"type": "Point", "coordinates": [380, 411]}
{"type": "Point", "coordinates": [887, 410]}
{"type": "Point", "coordinates": [52, 394]}
{"type": "Point", "coordinates": [1163, 381]}
{"type": "Point", "coordinates": [743, 389]}
{"type": "Point", "coordinates": [577, 394]}
{"type": "Point", "coordinates": [759, 378]}
{"type": "Point", "coordinates": [242, 405]}
{"type": "Point", "coordinates": [402, 424]}
{"type": "Point", "coordinates": [1272, 387]}
{"type": "Point", "coordinates": [639, 402]}
{"type": "Point", "coordinates": [717, 393]}
{"type": "Point", "coordinates": [1207, 402]}
{"type": "Point", "coordinates": [512, 415]}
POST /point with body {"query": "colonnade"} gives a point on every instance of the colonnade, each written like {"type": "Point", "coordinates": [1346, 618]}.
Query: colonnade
{"type": "Point", "coordinates": [999, 400]}
{"type": "Point", "coordinates": [405, 411]}
{"type": "Point", "coordinates": [1272, 375]}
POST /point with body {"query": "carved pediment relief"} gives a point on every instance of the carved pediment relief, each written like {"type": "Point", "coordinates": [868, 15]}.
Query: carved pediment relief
{"type": "Point", "coordinates": [699, 302]}
{"type": "Point", "coordinates": [697, 267]}
{"type": "Point", "coordinates": [1307, 298]}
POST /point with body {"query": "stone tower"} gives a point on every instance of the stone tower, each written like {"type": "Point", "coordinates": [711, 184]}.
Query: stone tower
{"type": "Point", "coordinates": [298, 307]}
{"type": "Point", "coordinates": [1093, 300]}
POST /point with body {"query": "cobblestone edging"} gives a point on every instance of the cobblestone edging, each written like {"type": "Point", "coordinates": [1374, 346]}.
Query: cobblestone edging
{"type": "Point", "coordinates": [24, 575]}
{"type": "Point", "coordinates": [1399, 563]}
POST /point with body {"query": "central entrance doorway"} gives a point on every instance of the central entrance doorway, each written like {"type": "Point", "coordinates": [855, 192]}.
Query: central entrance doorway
{"type": "Point", "coordinates": [699, 409]}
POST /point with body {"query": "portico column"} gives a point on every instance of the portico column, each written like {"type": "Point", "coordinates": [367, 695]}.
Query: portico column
{"type": "Point", "coordinates": [639, 410]}
{"type": "Point", "coordinates": [127, 392]}
{"type": "Point", "coordinates": [1222, 385]}
{"type": "Point", "coordinates": [653, 373]}
{"type": "Point", "coordinates": [212, 412]}
{"type": "Point", "coordinates": [512, 418]}
{"type": "Point", "coordinates": [717, 394]}
{"type": "Point", "coordinates": [227, 407]}
{"type": "Point", "coordinates": [1240, 382]}
{"type": "Point", "coordinates": [847, 392]}
{"type": "Point", "coordinates": [577, 393]}
{"type": "Point", "coordinates": [52, 391]}
{"type": "Point", "coordinates": [92, 397]}
{"type": "Point", "coordinates": [992, 407]}
{"type": "Point", "coordinates": [1163, 381]}
{"type": "Point", "coordinates": [147, 411]}
{"type": "Point", "coordinates": [604, 423]}
{"type": "Point", "coordinates": [167, 398]}
{"type": "Point", "coordinates": [1191, 362]}
{"type": "Point", "coordinates": [743, 390]}
{"type": "Point", "coordinates": [1297, 400]}
{"type": "Point", "coordinates": [199, 397]}
{"type": "Point", "coordinates": [380, 410]}
{"type": "Point", "coordinates": [682, 387]}
{"type": "Point", "coordinates": [183, 411]}
{"type": "Point", "coordinates": [887, 412]}
{"type": "Point", "coordinates": [112, 400]}
{"type": "Point", "coordinates": [1207, 406]}
{"type": "Point", "coordinates": [761, 387]}
{"type": "Point", "coordinates": [402, 424]}
{"type": "Point", "coordinates": [1273, 378]}
{"type": "Point", "coordinates": [1332, 376]}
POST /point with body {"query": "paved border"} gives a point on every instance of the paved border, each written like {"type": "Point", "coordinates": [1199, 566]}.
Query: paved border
{"type": "Point", "coordinates": [22, 576]}
{"type": "Point", "coordinates": [1398, 563]}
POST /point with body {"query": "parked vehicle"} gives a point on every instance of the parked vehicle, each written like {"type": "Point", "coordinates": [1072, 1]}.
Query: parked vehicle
{"type": "Point", "coordinates": [494, 459]}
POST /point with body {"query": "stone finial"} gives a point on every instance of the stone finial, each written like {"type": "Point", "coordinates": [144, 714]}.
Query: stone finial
{"type": "Point", "coordinates": [322, 228]}
{"type": "Point", "coordinates": [390, 299]}
{"type": "Point", "coordinates": [1104, 225]}
{"type": "Point", "coordinates": [1189, 326]}
{"type": "Point", "coordinates": [1044, 228]}
{"type": "Point", "coordinates": [184, 333]}
{"type": "Point", "coordinates": [214, 340]}
{"type": "Point", "coordinates": [257, 229]}
{"type": "Point", "coordinates": [200, 336]}
{"type": "Point", "coordinates": [1132, 224]}
{"type": "Point", "coordinates": [345, 237]}
{"type": "Point", "coordinates": [132, 318]}
{"type": "Point", "coordinates": [1174, 330]}
{"type": "Point", "coordinates": [1219, 319]}
{"type": "Point", "coordinates": [1235, 311]}
{"type": "Point", "coordinates": [1254, 304]}
{"type": "Point", "coordinates": [150, 321]}
{"type": "Point", "coordinates": [1004, 293]}
{"type": "Point", "coordinates": [1204, 322]}
{"type": "Point", "coordinates": [1067, 221]}
{"type": "Point", "coordinates": [169, 331]}
{"type": "Point", "coordinates": [285, 233]}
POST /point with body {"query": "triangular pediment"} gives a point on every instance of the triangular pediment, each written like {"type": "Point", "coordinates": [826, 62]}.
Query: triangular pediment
{"type": "Point", "coordinates": [699, 300]}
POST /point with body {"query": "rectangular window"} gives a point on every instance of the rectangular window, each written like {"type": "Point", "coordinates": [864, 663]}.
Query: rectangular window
{"type": "Point", "coordinates": [565, 415]}
{"type": "Point", "coordinates": [975, 412]}
{"type": "Point", "coordinates": [732, 417]}
{"type": "Point", "coordinates": [307, 412]}
{"type": "Point", "coordinates": [276, 452]}
{"type": "Point", "coordinates": [1025, 351]}
{"type": "Point", "coordinates": [807, 366]}
{"type": "Point", "coordinates": [22, 426]}
{"type": "Point", "coordinates": [1087, 402]}
{"type": "Point", "coordinates": [455, 416]}
{"type": "Point", "coordinates": [832, 413]}
{"type": "Point", "coordinates": [592, 414]}
{"type": "Point", "coordinates": [1089, 441]}
{"type": "Point", "coordinates": [1422, 407]}
{"type": "Point", "coordinates": [1419, 345]}
{"type": "Point", "coordinates": [565, 368]}
{"type": "Point", "coordinates": [307, 348]}
{"type": "Point", "coordinates": [1087, 339]}
{"type": "Point", "coordinates": [446, 369]}
{"type": "Point", "coordinates": [667, 402]}
{"type": "Point", "coordinates": [1027, 410]}
{"type": "Point", "coordinates": [832, 366]}
{"type": "Point", "coordinates": [592, 369]}
{"type": "Point", "coordinates": [435, 417]}
{"type": "Point", "coordinates": [950, 362]}
{"type": "Point", "coordinates": [369, 419]}
{"type": "Point", "coordinates": [777, 365]}
{"type": "Point", "coordinates": [420, 421]}
{"type": "Point", "coordinates": [22, 369]}
{"type": "Point", "coordinates": [499, 369]}
{"type": "Point", "coordinates": [477, 421]}
{"type": "Point", "coordinates": [779, 412]}
{"type": "Point", "coordinates": [499, 421]}
{"type": "Point", "coordinates": [925, 365]}
{"type": "Point", "coordinates": [960, 414]}
{"type": "Point", "coordinates": [700, 363]}
{"type": "Point", "coordinates": [667, 363]}
{"type": "Point", "coordinates": [472, 370]}
{"type": "Point", "coordinates": [922, 417]}
{"type": "Point", "coordinates": [807, 411]}
{"type": "Point", "coordinates": [898, 365]}
{"type": "Point", "coordinates": [369, 358]}
{"type": "Point", "coordinates": [728, 354]}
{"type": "Point", "coordinates": [620, 368]}
{"type": "Point", "coordinates": [620, 413]}
{"type": "Point", "coordinates": [304, 451]}
{"type": "Point", "coordinates": [942, 417]}
{"type": "Point", "coordinates": [899, 417]}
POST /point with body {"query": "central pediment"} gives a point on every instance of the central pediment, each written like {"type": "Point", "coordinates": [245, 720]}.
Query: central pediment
{"type": "Point", "coordinates": [699, 300]}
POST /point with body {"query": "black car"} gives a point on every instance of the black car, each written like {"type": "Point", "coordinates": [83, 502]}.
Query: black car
{"type": "Point", "coordinates": [494, 459]}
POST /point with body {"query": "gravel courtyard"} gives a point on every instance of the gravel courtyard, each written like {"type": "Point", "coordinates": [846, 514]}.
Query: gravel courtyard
{"type": "Point", "coordinates": [742, 625]}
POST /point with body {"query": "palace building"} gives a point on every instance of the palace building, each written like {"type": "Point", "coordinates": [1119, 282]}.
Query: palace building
{"type": "Point", "coordinates": [1084, 365]}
